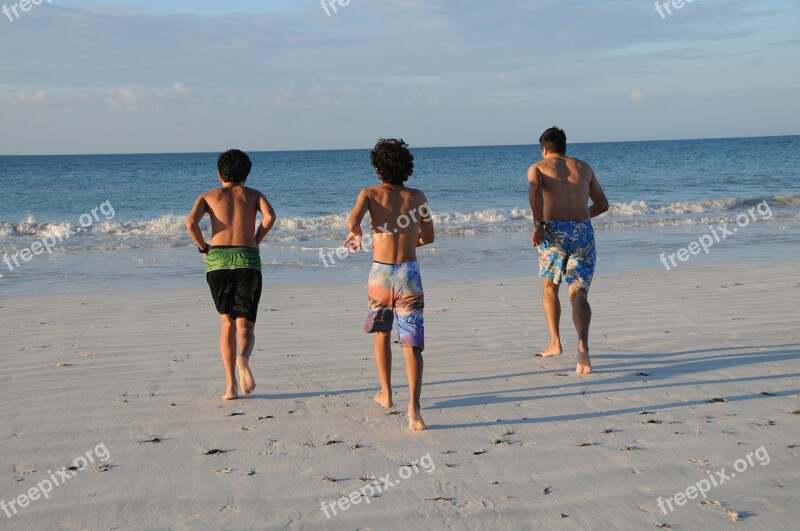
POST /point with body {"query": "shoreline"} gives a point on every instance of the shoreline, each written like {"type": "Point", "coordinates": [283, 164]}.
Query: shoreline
{"type": "Point", "coordinates": [483, 256]}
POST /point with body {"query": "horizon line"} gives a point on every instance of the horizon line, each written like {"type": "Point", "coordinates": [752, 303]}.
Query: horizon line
{"type": "Point", "coordinates": [109, 154]}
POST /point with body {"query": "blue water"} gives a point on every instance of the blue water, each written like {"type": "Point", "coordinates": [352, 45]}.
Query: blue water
{"type": "Point", "coordinates": [663, 195]}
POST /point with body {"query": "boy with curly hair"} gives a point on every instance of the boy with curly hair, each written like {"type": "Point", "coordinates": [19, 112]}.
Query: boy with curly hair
{"type": "Point", "coordinates": [401, 221]}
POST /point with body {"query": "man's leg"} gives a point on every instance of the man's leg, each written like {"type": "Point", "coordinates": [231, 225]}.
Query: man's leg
{"type": "Point", "coordinates": [582, 317]}
{"type": "Point", "coordinates": [246, 337]}
{"type": "Point", "coordinates": [414, 365]}
{"type": "Point", "coordinates": [383, 360]}
{"type": "Point", "coordinates": [552, 313]}
{"type": "Point", "coordinates": [227, 347]}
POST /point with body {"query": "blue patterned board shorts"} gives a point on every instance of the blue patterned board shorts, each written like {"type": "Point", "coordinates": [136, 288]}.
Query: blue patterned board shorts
{"type": "Point", "coordinates": [568, 253]}
{"type": "Point", "coordinates": [396, 289]}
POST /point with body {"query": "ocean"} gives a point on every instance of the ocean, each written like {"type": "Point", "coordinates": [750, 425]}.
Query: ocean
{"type": "Point", "coordinates": [131, 209]}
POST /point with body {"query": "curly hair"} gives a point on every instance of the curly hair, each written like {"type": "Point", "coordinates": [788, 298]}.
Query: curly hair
{"type": "Point", "coordinates": [234, 166]}
{"type": "Point", "coordinates": [392, 160]}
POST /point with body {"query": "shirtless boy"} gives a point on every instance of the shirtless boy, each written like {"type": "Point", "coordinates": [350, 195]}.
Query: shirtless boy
{"type": "Point", "coordinates": [560, 190]}
{"type": "Point", "coordinates": [401, 221]}
{"type": "Point", "coordinates": [233, 263]}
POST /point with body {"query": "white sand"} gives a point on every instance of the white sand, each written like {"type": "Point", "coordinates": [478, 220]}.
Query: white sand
{"type": "Point", "coordinates": [144, 365]}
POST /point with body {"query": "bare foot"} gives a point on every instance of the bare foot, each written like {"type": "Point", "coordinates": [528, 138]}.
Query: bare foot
{"type": "Point", "coordinates": [230, 395]}
{"type": "Point", "coordinates": [248, 383]}
{"type": "Point", "coordinates": [552, 350]}
{"type": "Point", "coordinates": [384, 399]}
{"type": "Point", "coordinates": [415, 422]}
{"type": "Point", "coordinates": [584, 363]}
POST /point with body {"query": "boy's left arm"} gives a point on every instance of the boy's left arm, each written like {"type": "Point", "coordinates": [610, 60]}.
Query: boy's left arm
{"type": "Point", "coordinates": [193, 222]}
{"type": "Point", "coordinates": [353, 241]}
{"type": "Point", "coordinates": [426, 233]}
{"type": "Point", "coordinates": [267, 218]}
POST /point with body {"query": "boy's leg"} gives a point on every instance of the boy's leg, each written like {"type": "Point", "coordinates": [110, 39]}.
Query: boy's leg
{"type": "Point", "coordinates": [582, 317]}
{"type": "Point", "coordinates": [227, 347]}
{"type": "Point", "coordinates": [414, 366]}
{"type": "Point", "coordinates": [383, 360]}
{"type": "Point", "coordinates": [246, 337]}
{"type": "Point", "coordinates": [552, 313]}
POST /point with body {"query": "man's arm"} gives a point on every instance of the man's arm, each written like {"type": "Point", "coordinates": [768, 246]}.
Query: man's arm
{"type": "Point", "coordinates": [426, 234]}
{"type": "Point", "coordinates": [598, 197]}
{"type": "Point", "coordinates": [268, 219]}
{"type": "Point", "coordinates": [193, 222]}
{"type": "Point", "coordinates": [353, 240]}
{"type": "Point", "coordinates": [536, 200]}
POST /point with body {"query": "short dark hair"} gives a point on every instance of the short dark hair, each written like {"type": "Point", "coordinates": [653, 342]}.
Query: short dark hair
{"type": "Point", "coordinates": [392, 160]}
{"type": "Point", "coordinates": [554, 140]}
{"type": "Point", "coordinates": [234, 166]}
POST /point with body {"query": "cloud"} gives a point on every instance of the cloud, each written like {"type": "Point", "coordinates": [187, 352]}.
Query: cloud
{"type": "Point", "coordinates": [442, 73]}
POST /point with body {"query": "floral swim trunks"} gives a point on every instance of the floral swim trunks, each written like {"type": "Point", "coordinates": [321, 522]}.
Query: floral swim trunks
{"type": "Point", "coordinates": [396, 289]}
{"type": "Point", "coordinates": [568, 253]}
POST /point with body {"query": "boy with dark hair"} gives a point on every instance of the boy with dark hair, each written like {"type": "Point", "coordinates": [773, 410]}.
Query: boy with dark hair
{"type": "Point", "coordinates": [402, 221]}
{"type": "Point", "coordinates": [233, 263]}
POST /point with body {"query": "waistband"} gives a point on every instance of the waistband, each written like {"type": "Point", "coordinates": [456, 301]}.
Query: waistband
{"type": "Point", "coordinates": [568, 223]}
{"type": "Point", "coordinates": [232, 257]}
{"type": "Point", "coordinates": [410, 262]}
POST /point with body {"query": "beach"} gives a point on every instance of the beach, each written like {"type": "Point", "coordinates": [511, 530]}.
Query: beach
{"type": "Point", "coordinates": [696, 371]}
{"type": "Point", "coordinates": [359, 166]}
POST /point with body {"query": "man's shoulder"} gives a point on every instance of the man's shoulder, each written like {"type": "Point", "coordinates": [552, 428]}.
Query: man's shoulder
{"type": "Point", "coordinates": [253, 191]}
{"type": "Point", "coordinates": [579, 162]}
{"type": "Point", "coordinates": [536, 168]}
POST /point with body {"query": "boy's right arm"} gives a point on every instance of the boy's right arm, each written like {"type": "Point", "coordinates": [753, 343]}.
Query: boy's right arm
{"type": "Point", "coordinates": [268, 218]}
{"type": "Point", "coordinates": [353, 241]}
{"type": "Point", "coordinates": [193, 221]}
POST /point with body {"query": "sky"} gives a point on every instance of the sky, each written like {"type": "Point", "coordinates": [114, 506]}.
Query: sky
{"type": "Point", "coordinates": [146, 76]}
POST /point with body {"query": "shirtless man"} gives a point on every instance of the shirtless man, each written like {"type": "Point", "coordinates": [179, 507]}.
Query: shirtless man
{"type": "Point", "coordinates": [560, 189]}
{"type": "Point", "coordinates": [233, 263]}
{"type": "Point", "coordinates": [401, 221]}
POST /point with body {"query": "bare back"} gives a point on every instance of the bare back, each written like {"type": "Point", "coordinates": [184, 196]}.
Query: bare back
{"type": "Point", "coordinates": [396, 214]}
{"type": "Point", "coordinates": [566, 185]}
{"type": "Point", "coordinates": [233, 212]}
